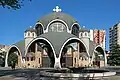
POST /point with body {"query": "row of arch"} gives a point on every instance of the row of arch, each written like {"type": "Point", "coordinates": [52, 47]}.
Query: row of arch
{"type": "Point", "coordinates": [44, 39]}
{"type": "Point", "coordinates": [40, 28]}
{"type": "Point", "coordinates": [83, 34]}
{"type": "Point", "coordinates": [30, 34]}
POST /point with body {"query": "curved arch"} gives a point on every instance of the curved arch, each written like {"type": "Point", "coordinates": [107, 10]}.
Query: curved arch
{"type": "Point", "coordinates": [40, 38]}
{"type": "Point", "coordinates": [85, 34]}
{"type": "Point", "coordinates": [6, 58]}
{"type": "Point", "coordinates": [80, 34]}
{"type": "Point", "coordinates": [33, 34]}
{"type": "Point", "coordinates": [75, 29]}
{"type": "Point", "coordinates": [55, 21]}
{"type": "Point", "coordinates": [73, 25]}
{"type": "Point", "coordinates": [28, 34]}
{"type": "Point", "coordinates": [68, 41]}
{"type": "Point", "coordinates": [105, 59]}
{"type": "Point", "coordinates": [41, 25]}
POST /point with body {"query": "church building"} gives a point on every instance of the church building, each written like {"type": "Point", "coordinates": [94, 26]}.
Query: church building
{"type": "Point", "coordinates": [57, 40]}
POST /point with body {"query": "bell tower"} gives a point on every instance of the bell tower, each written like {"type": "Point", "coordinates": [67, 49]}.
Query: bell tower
{"type": "Point", "coordinates": [84, 35]}
{"type": "Point", "coordinates": [29, 35]}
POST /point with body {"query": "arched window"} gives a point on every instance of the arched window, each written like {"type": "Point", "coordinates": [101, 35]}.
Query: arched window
{"type": "Point", "coordinates": [81, 34]}
{"type": "Point", "coordinates": [39, 29]}
{"type": "Point", "coordinates": [28, 33]}
{"type": "Point", "coordinates": [33, 34]}
{"type": "Point", "coordinates": [57, 27]}
{"type": "Point", "coordinates": [86, 34]}
{"type": "Point", "coordinates": [75, 30]}
{"type": "Point", "coordinates": [31, 58]}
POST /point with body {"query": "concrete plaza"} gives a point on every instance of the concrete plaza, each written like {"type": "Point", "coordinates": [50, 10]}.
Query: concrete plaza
{"type": "Point", "coordinates": [34, 74]}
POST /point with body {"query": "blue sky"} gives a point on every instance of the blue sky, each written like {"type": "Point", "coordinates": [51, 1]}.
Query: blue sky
{"type": "Point", "coordinates": [94, 14]}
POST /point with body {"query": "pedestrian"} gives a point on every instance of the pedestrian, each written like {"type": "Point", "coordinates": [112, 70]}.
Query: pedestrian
{"type": "Point", "coordinates": [12, 65]}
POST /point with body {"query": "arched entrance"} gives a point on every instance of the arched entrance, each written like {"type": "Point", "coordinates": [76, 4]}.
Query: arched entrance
{"type": "Point", "coordinates": [13, 56]}
{"type": "Point", "coordinates": [43, 53]}
{"type": "Point", "coordinates": [71, 53]}
{"type": "Point", "coordinates": [99, 57]}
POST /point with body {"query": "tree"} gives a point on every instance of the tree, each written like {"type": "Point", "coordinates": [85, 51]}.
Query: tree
{"type": "Point", "coordinates": [14, 4]}
{"type": "Point", "coordinates": [2, 58]}
{"type": "Point", "coordinates": [12, 57]}
{"type": "Point", "coordinates": [114, 58]}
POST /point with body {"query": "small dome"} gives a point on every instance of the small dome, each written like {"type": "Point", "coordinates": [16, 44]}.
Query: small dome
{"type": "Point", "coordinates": [30, 29]}
{"type": "Point", "coordinates": [83, 30]}
{"type": "Point", "coordinates": [45, 20]}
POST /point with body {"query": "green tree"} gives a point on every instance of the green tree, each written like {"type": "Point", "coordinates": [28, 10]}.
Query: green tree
{"type": "Point", "coordinates": [69, 46]}
{"type": "Point", "coordinates": [14, 4]}
{"type": "Point", "coordinates": [114, 58]}
{"type": "Point", "coordinates": [2, 58]}
{"type": "Point", "coordinates": [12, 57]}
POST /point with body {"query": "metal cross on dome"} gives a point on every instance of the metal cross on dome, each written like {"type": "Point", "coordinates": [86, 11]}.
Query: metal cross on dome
{"type": "Point", "coordinates": [57, 9]}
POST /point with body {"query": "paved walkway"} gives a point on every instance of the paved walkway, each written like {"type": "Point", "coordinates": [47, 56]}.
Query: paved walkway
{"type": "Point", "coordinates": [10, 77]}
{"type": "Point", "coordinates": [30, 74]}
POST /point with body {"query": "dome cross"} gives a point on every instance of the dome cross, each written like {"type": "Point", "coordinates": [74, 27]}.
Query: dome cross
{"type": "Point", "coordinates": [57, 9]}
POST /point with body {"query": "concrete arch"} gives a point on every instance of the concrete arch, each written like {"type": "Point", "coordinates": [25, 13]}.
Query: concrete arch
{"type": "Point", "coordinates": [40, 38]}
{"type": "Point", "coordinates": [13, 46]}
{"type": "Point", "coordinates": [72, 39]}
{"type": "Point", "coordinates": [73, 25]}
{"type": "Point", "coordinates": [41, 25]}
{"type": "Point", "coordinates": [105, 58]}
{"type": "Point", "coordinates": [59, 21]}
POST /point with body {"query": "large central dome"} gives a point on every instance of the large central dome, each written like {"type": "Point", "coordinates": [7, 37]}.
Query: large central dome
{"type": "Point", "coordinates": [45, 20]}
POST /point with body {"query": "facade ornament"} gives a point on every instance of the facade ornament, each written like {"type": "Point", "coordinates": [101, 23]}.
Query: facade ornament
{"type": "Point", "coordinates": [57, 9]}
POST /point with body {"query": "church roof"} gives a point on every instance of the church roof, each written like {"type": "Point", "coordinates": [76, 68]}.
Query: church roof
{"type": "Point", "coordinates": [45, 20]}
{"type": "Point", "coordinates": [83, 30]}
{"type": "Point", "coordinates": [30, 29]}
{"type": "Point", "coordinates": [21, 46]}
{"type": "Point", "coordinates": [57, 39]}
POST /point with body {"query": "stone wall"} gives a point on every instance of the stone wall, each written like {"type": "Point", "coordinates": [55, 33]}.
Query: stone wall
{"type": "Point", "coordinates": [35, 63]}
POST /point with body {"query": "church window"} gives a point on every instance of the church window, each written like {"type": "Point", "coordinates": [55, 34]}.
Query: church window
{"type": "Point", "coordinates": [39, 60]}
{"type": "Point", "coordinates": [85, 33]}
{"type": "Point", "coordinates": [75, 30]}
{"type": "Point", "coordinates": [39, 29]}
{"type": "Point", "coordinates": [33, 34]}
{"type": "Point", "coordinates": [28, 34]}
{"type": "Point", "coordinates": [81, 35]}
{"type": "Point", "coordinates": [31, 58]}
{"type": "Point", "coordinates": [27, 58]}
{"type": "Point", "coordinates": [75, 60]}
{"type": "Point", "coordinates": [57, 27]}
